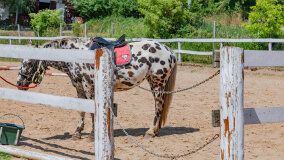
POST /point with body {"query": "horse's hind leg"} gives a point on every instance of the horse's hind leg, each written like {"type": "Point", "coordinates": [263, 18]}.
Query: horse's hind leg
{"type": "Point", "coordinates": [162, 101]}
{"type": "Point", "coordinates": [159, 108]}
{"type": "Point", "coordinates": [80, 127]}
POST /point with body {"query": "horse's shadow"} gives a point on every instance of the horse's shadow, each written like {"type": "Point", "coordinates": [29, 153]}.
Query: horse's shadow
{"type": "Point", "coordinates": [166, 131]}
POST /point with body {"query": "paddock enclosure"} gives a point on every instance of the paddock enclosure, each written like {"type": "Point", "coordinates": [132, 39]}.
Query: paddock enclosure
{"type": "Point", "coordinates": [48, 130]}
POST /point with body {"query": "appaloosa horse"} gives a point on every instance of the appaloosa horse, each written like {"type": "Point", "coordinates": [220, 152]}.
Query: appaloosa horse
{"type": "Point", "coordinates": [150, 60]}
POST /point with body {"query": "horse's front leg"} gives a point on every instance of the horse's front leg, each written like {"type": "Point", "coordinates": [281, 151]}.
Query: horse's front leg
{"type": "Point", "coordinates": [80, 127]}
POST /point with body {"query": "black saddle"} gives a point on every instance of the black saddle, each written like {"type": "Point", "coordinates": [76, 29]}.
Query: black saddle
{"type": "Point", "coordinates": [99, 42]}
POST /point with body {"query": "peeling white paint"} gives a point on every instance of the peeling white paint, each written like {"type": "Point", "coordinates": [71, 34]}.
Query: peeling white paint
{"type": "Point", "coordinates": [231, 103]}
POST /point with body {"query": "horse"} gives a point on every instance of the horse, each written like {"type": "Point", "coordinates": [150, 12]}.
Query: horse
{"type": "Point", "coordinates": [151, 60]}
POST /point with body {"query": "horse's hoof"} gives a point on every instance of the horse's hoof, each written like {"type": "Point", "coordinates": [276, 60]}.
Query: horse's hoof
{"type": "Point", "coordinates": [90, 138]}
{"type": "Point", "coordinates": [76, 136]}
{"type": "Point", "coordinates": [148, 136]}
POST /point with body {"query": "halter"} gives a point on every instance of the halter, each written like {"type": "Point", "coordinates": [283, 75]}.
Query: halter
{"type": "Point", "coordinates": [37, 77]}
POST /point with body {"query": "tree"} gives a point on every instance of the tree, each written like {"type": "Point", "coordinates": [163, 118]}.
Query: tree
{"type": "Point", "coordinates": [266, 19]}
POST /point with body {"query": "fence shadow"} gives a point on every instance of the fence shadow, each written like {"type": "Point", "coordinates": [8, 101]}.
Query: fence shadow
{"type": "Point", "coordinates": [56, 146]}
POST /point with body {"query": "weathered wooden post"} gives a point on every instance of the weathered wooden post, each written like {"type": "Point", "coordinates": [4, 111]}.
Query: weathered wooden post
{"type": "Point", "coordinates": [104, 144]}
{"type": "Point", "coordinates": [231, 103]}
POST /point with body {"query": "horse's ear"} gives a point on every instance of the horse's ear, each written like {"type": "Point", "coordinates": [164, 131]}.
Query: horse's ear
{"type": "Point", "coordinates": [36, 45]}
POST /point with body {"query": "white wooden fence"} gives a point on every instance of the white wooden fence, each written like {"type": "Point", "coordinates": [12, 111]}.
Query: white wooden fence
{"type": "Point", "coordinates": [83, 105]}
{"type": "Point", "coordinates": [232, 112]}
{"type": "Point", "coordinates": [233, 116]}
{"type": "Point", "coordinates": [179, 51]}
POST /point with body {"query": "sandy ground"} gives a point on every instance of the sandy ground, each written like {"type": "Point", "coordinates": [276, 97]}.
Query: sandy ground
{"type": "Point", "coordinates": [189, 126]}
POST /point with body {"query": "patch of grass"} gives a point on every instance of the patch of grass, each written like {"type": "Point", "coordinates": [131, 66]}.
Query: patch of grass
{"type": "Point", "coordinates": [5, 156]}
{"type": "Point", "coordinates": [4, 59]}
{"type": "Point", "coordinates": [132, 27]}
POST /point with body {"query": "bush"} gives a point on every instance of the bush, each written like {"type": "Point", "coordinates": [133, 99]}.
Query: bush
{"type": "Point", "coordinates": [166, 18]}
{"type": "Point", "coordinates": [77, 29]}
{"type": "Point", "coordinates": [47, 22]}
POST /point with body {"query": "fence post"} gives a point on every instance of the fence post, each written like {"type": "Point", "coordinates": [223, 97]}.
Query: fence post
{"type": "Point", "coordinates": [112, 29]}
{"type": "Point", "coordinates": [37, 30]}
{"type": "Point", "coordinates": [10, 42]}
{"type": "Point", "coordinates": [60, 32]}
{"type": "Point", "coordinates": [270, 46]}
{"type": "Point", "coordinates": [179, 52]}
{"type": "Point", "coordinates": [86, 31]}
{"type": "Point", "coordinates": [214, 33]}
{"type": "Point", "coordinates": [19, 34]}
{"type": "Point", "coordinates": [104, 144]}
{"type": "Point", "coordinates": [231, 103]}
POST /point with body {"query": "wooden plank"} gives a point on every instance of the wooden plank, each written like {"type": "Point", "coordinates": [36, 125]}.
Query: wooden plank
{"type": "Point", "coordinates": [34, 38]}
{"type": "Point", "coordinates": [255, 115]}
{"type": "Point", "coordinates": [29, 154]}
{"type": "Point", "coordinates": [104, 77]}
{"type": "Point", "coordinates": [264, 115]}
{"type": "Point", "coordinates": [255, 58]}
{"type": "Point", "coordinates": [77, 104]}
{"type": "Point", "coordinates": [231, 103]}
{"type": "Point", "coordinates": [193, 52]}
{"type": "Point", "coordinates": [67, 55]}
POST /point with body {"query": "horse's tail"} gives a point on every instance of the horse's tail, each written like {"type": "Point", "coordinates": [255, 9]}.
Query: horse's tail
{"type": "Point", "coordinates": [168, 97]}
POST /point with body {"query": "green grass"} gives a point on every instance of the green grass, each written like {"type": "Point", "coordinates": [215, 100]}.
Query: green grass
{"type": "Point", "coordinates": [5, 156]}
{"type": "Point", "coordinates": [4, 59]}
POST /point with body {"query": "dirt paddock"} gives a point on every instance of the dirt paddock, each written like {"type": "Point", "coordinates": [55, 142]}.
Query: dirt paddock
{"type": "Point", "coordinates": [49, 130]}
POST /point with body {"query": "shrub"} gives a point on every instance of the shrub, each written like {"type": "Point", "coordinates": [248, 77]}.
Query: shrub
{"type": "Point", "coordinates": [47, 22]}
{"type": "Point", "coordinates": [76, 29]}
{"type": "Point", "coordinates": [166, 18]}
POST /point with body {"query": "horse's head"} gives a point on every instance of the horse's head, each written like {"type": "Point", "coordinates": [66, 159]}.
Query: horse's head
{"type": "Point", "coordinates": [32, 71]}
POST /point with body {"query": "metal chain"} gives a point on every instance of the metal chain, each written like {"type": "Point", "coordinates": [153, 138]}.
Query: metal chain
{"type": "Point", "coordinates": [166, 92]}
{"type": "Point", "coordinates": [161, 155]}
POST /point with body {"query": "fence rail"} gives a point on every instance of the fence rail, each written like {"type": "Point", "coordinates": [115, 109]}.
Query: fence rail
{"type": "Point", "coordinates": [179, 51]}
